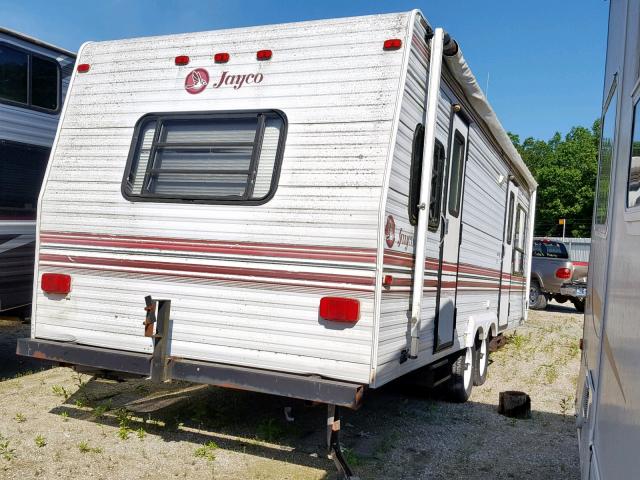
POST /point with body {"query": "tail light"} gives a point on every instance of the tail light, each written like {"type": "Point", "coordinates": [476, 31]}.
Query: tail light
{"type": "Point", "coordinates": [56, 283]}
{"type": "Point", "coordinates": [340, 309]}
{"type": "Point", "coordinates": [563, 273]}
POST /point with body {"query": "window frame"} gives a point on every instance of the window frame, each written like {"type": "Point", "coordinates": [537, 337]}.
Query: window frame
{"type": "Point", "coordinates": [601, 228]}
{"type": "Point", "coordinates": [30, 54]}
{"type": "Point", "coordinates": [195, 199]}
{"type": "Point", "coordinates": [415, 178]}
{"type": "Point", "coordinates": [457, 134]}
{"type": "Point", "coordinates": [523, 235]}
{"type": "Point", "coordinates": [510, 212]}
{"type": "Point", "coordinates": [635, 103]}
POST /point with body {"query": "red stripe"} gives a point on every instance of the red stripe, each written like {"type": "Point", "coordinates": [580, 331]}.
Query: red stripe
{"type": "Point", "coordinates": [71, 260]}
{"type": "Point", "coordinates": [581, 264]}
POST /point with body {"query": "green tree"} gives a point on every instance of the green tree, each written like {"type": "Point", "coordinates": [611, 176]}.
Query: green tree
{"type": "Point", "coordinates": [566, 170]}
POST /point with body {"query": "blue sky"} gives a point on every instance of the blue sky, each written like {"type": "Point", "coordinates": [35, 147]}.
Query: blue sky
{"type": "Point", "coordinates": [544, 58]}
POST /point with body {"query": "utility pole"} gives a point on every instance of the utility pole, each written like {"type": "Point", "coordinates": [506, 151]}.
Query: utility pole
{"type": "Point", "coordinates": [563, 222]}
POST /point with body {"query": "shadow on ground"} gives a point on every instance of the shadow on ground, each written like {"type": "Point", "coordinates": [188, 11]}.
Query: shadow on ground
{"type": "Point", "coordinates": [10, 363]}
{"type": "Point", "coordinates": [396, 434]}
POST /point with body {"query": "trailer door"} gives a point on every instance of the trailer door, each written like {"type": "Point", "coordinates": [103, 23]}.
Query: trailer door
{"type": "Point", "coordinates": [450, 236]}
{"type": "Point", "coordinates": [507, 255]}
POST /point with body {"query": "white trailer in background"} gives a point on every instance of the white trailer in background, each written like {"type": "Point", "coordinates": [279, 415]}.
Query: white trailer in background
{"type": "Point", "coordinates": [33, 82]}
{"type": "Point", "coordinates": [608, 394]}
{"type": "Point", "coordinates": [264, 188]}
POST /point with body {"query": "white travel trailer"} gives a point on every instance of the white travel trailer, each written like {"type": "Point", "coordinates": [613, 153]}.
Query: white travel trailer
{"type": "Point", "coordinates": [266, 190]}
{"type": "Point", "coordinates": [33, 81]}
{"type": "Point", "coordinates": [608, 396]}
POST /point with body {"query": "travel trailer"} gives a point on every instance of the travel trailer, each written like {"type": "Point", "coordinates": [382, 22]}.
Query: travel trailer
{"type": "Point", "coordinates": [33, 81]}
{"type": "Point", "coordinates": [608, 396]}
{"type": "Point", "coordinates": [307, 210]}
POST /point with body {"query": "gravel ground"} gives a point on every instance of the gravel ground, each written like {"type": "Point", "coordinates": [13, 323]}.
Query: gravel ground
{"type": "Point", "coordinates": [59, 424]}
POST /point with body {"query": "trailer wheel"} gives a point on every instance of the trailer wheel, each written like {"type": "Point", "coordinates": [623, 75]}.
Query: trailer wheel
{"type": "Point", "coordinates": [461, 381]}
{"type": "Point", "coordinates": [537, 299]}
{"type": "Point", "coordinates": [579, 304]}
{"type": "Point", "coordinates": [481, 361]}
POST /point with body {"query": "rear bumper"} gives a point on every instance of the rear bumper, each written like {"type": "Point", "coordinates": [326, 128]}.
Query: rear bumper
{"type": "Point", "coordinates": [304, 387]}
{"type": "Point", "coordinates": [575, 290]}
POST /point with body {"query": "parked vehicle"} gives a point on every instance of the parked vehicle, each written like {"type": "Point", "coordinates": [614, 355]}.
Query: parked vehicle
{"type": "Point", "coordinates": [555, 276]}
{"type": "Point", "coordinates": [262, 192]}
{"type": "Point", "coordinates": [33, 81]}
{"type": "Point", "coordinates": [608, 393]}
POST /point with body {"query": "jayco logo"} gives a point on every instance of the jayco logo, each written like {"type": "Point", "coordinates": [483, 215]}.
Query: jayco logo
{"type": "Point", "coordinates": [198, 79]}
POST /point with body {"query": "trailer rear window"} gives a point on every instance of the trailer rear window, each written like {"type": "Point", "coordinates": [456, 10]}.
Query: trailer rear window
{"type": "Point", "coordinates": [209, 158]}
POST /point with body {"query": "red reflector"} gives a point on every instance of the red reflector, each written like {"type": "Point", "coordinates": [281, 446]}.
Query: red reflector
{"type": "Point", "coordinates": [387, 280]}
{"type": "Point", "coordinates": [339, 309]}
{"type": "Point", "coordinates": [56, 283]}
{"type": "Point", "coordinates": [83, 68]}
{"type": "Point", "coordinates": [392, 44]}
{"type": "Point", "coordinates": [182, 60]}
{"type": "Point", "coordinates": [264, 54]}
{"type": "Point", "coordinates": [221, 57]}
{"type": "Point", "coordinates": [564, 273]}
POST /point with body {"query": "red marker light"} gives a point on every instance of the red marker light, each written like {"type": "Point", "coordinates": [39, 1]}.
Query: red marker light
{"type": "Point", "coordinates": [56, 283]}
{"type": "Point", "coordinates": [387, 280]}
{"type": "Point", "coordinates": [83, 68]}
{"type": "Point", "coordinates": [264, 54]}
{"type": "Point", "coordinates": [392, 44]}
{"type": "Point", "coordinates": [339, 309]}
{"type": "Point", "coordinates": [182, 60]}
{"type": "Point", "coordinates": [221, 57]}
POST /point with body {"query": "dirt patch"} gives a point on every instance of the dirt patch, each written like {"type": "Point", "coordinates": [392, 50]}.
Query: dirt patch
{"type": "Point", "coordinates": [58, 424]}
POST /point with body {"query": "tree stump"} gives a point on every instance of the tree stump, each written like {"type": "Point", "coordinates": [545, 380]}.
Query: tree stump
{"type": "Point", "coordinates": [514, 404]}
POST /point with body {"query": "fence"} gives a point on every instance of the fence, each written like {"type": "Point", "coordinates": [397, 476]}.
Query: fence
{"type": "Point", "coordinates": [578, 248]}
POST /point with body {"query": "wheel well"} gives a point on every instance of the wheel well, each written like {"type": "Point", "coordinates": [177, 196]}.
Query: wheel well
{"type": "Point", "coordinates": [536, 278]}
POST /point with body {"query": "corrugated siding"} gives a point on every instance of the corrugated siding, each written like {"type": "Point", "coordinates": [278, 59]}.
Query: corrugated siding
{"type": "Point", "coordinates": [246, 289]}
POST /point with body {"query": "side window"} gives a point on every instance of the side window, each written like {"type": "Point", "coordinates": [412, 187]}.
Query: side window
{"type": "Point", "coordinates": [211, 158]}
{"type": "Point", "coordinates": [29, 80]}
{"type": "Point", "coordinates": [21, 171]}
{"type": "Point", "coordinates": [435, 198]}
{"type": "Point", "coordinates": [519, 240]}
{"type": "Point", "coordinates": [607, 134]}
{"type": "Point", "coordinates": [512, 199]}
{"type": "Point", "coordinates": [457, 168]}
{"type": "Point", "coordinates": [633, 185]}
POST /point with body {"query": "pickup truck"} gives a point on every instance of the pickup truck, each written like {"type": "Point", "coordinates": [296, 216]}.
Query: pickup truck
{"type": "Point", "coordinates": [555, 276]}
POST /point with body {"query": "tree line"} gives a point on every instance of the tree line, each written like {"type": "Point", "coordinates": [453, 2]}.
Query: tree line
{"type": "Point", "coordinates": [566, 170]}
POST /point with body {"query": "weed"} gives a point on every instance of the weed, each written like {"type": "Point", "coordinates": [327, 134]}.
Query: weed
{"type": "Point", "coordinates": [40, 441]}
{"type": "Point", "coordinates": [80, 403]}
{"type": "Point", "coordinates": [142, 389]}
{"type": "Point", "coordinates": [78, 379]}
{"type": "Point", "coordinates": [60, 391]}
{"type": "Point", "coordinates": [123, 433]}
{"type": "Point", "coordinates": [84, 447]}
{"type": "Point", "coordinates": [269, 430]}
{"type": "Point", "coordinates": [141, 433]}
{"type": "Point", "coordinates": [124, 419]}
{"type": "Point", "coordinates": [351, 457]}
{"type": "Point", "coordinates": [574, 349]}
{"type": "Point", "coordinates": [207, 451]}
{"type": "Point", "coordinates": [6, 451]}
{"type": "Point", "coordinates": [20, 418]}
{"type": "Point", "coordinates": [65, 416]}
{"type": "Point", "coordinates": [100, 410]}
{"type": "Point", "coordinates": [550, 373]}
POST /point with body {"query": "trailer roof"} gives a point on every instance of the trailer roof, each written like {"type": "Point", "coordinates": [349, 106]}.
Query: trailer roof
{"type": "Point", "coordinates": [35, 41]}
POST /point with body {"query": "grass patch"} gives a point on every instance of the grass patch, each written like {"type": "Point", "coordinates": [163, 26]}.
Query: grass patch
{"type": "Point", "coordinates": [6, 451]}
{"type": "Point", "coordinates": [40, 441]}
{"type": "Point", "coordinates": [207, 451]}
{"type": "Point", "coordinates": [140, 433]}
{"type": "Point", "coordinates": [60, 391]}
{"type": "Point", "coordinates": [65, 416]}
{"type": "Point", "coordinates": [84, 447]}
{"type": "Point", "coordinates": [20, 418]}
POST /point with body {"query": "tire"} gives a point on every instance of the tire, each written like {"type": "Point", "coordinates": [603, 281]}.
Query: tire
{"type": "Point", "coordinates": [461, 381]}
{"type": "Point", "coordinates": [481, 361]}
{"type": "Point", "coordinates": [537, 299]}
{"type": "Point", "coordinates": [579, 304]}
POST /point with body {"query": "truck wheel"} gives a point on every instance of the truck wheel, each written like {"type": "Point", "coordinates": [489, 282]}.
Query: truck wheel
{"type": "Point", "coordinates": [537, 300]}
{"type": "Point", "coordinates": [461, 381]}
{"type": "Point", "coordinates": [579, 304]}
{"type": "Point", "coordinates": [481, 361]}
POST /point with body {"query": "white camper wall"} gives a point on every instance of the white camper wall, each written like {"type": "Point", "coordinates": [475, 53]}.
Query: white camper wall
{"type": "Point", "coordinates": [245, 281]}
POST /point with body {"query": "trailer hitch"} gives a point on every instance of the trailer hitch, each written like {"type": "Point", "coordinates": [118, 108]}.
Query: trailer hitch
{"type": "Point", "coordinates": [333, 443]}
{"type": "Point", "coordinates": [160, 359]}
